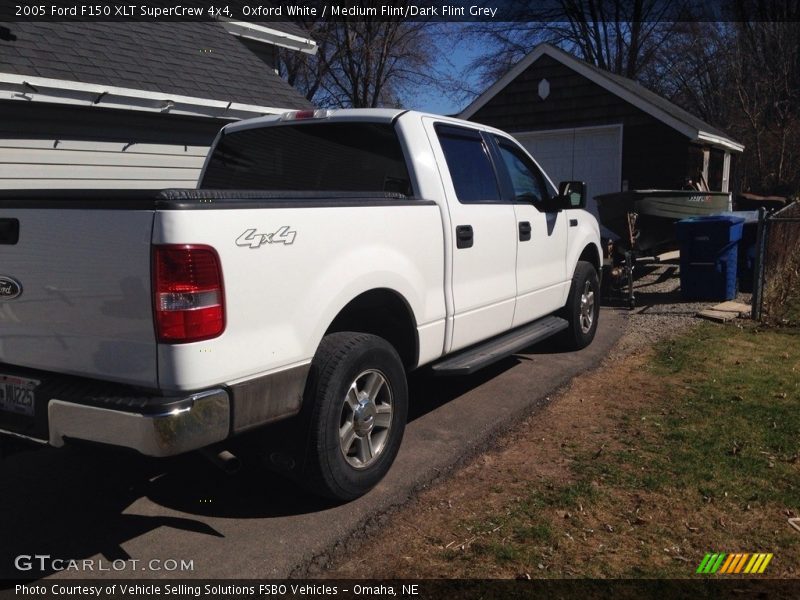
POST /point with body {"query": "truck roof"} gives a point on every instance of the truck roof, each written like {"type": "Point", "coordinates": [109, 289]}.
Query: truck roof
{"type": "Point", "coordinates": [373, 115]}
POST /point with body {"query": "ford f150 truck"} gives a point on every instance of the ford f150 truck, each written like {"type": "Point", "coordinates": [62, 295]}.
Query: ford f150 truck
{"type": "Point", "coordinates": [323, 255]}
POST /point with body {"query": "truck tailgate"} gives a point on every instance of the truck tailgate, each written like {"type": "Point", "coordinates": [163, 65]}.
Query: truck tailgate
{"type": "Point", "coordinates": [85, 304]}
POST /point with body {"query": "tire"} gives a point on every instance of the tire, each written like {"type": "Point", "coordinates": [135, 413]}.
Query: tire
{"type": "Point", "coordinates": [357, 401]}
{"type": "Point", "coordinates": [582, 309]}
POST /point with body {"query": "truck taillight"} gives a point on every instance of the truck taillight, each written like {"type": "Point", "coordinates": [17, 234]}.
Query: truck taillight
{"type": "Point", "coordinates": [299, 115]}
{"type": "Point", "coordinates": [189, 300]}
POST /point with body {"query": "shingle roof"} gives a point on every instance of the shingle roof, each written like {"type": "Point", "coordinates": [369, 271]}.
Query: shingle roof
{"type": "Point", "coordinates": [627, 89]}
{"type": "Point", "coordinates": [198, 59]}
{"type": "Point", "coordinates": [657, 100]}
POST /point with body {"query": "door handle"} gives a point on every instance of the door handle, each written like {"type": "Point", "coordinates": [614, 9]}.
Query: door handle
{"type": "Point", "coordinates": [573, 222]}
{"type": "Point", "coordinates": [524, 231]}
{"type": "Point", "coordinates": [464, 236]}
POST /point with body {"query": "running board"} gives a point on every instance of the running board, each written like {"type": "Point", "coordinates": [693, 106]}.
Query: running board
{"type": "Point", "coordinates": [470, 360]}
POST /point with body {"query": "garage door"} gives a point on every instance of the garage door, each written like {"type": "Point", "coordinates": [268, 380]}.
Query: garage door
{"type": "Point", "coordinates": [590, 154]}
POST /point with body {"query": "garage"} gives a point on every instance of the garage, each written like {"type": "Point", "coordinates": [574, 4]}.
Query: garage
{"type": "Point", "coordinates": [581, 122]}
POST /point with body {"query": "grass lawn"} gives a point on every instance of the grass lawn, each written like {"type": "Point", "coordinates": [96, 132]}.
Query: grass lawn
{"type": "Point", "coordinates": [636, 470]}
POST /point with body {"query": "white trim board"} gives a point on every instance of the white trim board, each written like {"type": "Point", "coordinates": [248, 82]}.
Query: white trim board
{"type": "Point", "coordinates": [60, 91]}
{"type": "Point", "coordinates": [726, 172]}
{"type": "Point", "coordinates": [104, 146]}
{"type": "Point", "coordinates": [579, 67]}
{"type": "Point", "coordinates": [261, 33]}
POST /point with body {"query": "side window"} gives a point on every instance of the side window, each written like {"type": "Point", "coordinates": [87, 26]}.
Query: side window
{"type": "Point", "coordinates": [470, 167]}
{"type": "Point", "coordinates": [528, 183]}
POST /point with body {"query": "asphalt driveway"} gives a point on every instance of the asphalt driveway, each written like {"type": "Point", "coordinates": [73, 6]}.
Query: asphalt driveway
{"type": "Point", "coordinates": [117, 514]}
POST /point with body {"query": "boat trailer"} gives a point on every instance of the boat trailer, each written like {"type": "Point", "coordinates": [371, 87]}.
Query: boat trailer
{"type": "Point", "coordinates": [619, 266]}
{"type": "Point", "coordinates": [618, 275]}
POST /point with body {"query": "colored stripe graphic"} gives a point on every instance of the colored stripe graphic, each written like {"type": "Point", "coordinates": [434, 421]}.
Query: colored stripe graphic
{"type": "Point", "coordinates": [728, 564]}
{"type": "Point", "coordinates": [764, 564]}
{"type": "Point", "coordinates": [755, 563]}
{"type": "Point", "coordinates": [710, 563]}
{"type": "Point", "coordinates": [717, 563]}
{"type": "Point", "coordinates": [752, 562]}
{"type": "Point", "coordinates": [703, 563]}
{"type": "Point", "coordinates": [740, 564]}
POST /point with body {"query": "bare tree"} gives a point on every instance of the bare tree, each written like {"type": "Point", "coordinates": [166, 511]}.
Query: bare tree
{"type": "Point", "coordinates": [743, 76]}
{"type": "Point", "coordinates": [621, 36]}
{"type": "Point", "coordinates": [304, 72]}
{"type": "Point", "coordinates": [692, 69]}
{"type": "Point", "coordinates": [374, 62]}
{"type": "Point", "coordinates": [766, 74]}
{"type": "Point", "coordinates": [364, 63]}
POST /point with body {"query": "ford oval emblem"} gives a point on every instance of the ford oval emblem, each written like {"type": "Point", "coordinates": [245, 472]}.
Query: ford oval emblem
{"type": "Point", "coordinates": [9, 288]}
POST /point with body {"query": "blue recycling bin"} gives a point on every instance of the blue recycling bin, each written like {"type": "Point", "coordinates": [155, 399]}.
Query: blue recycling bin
{"type": "Point", "coordinates": [747, 266]}
{"type": "Point", "coordinates": [709, 251]}
{"type": "Point", "coordinates": [747, 250]}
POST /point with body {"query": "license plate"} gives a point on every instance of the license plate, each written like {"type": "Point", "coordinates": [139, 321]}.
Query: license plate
{"type": "Point", "coordinates": [16, 394]}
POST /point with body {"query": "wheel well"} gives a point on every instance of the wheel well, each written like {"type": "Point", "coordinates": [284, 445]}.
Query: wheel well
{"type": "Point", "coordinates": [591, 255]}
{"type": "Point", "coordinates": [383, 313]}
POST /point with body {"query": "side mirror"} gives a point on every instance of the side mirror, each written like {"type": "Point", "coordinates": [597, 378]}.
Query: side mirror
{"type": "Point", "coordinates": [572, 194]}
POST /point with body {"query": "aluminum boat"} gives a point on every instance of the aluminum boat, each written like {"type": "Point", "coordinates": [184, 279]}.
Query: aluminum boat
{"type": "Point", "coordinates": [645, 220]}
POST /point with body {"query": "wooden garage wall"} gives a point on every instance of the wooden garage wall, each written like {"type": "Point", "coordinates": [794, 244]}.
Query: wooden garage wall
{"type": "Point", "coordinates": [653, 154]}
{"type": "Point", "coordinates": [52, 146]}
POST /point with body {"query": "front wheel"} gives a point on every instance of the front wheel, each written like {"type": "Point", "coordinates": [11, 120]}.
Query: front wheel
{"type": "Point", "coordinates": [358, 399]}
{"type": "Point", "coordinates": [582, 309]}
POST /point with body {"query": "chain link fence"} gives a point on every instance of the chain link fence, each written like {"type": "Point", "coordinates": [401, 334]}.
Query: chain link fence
{"type": "Point", "coordinates": [776, 295]}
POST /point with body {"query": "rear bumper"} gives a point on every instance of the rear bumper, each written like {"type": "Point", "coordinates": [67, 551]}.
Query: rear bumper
{"type": "Point", "coordinates": [198, 420]}
{"type": "Point", "coordinates": [145, 419]}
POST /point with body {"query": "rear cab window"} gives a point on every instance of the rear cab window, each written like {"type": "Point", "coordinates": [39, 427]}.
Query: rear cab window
{"type": "Point", "coordinates": [312, 156]}
{"type": "Point", "coordinates": [468, 160]}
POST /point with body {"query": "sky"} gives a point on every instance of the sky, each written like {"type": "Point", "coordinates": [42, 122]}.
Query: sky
{"type": "Point", "coordinates": [454, 57]}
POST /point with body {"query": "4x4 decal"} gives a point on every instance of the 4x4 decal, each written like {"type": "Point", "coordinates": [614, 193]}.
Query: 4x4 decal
{"type": "Point", "coordinates": [252, 239]}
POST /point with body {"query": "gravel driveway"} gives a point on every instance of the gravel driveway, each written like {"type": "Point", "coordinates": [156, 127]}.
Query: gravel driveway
{"type": "Point", "coordinates": [660, 311]}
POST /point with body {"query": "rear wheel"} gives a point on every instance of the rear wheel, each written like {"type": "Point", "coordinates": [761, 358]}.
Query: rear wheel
{"type": "Point", "coordinates": [358, 400]}
{"type": "Point", "coordinates": [582, 309]}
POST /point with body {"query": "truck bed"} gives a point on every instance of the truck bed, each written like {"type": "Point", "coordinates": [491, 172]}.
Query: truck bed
{"type": "Point", "coordinates": [83, 259]}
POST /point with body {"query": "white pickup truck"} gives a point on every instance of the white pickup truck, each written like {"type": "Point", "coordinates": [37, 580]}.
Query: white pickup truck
{"type": "Point", "coordinates": [323, 255]}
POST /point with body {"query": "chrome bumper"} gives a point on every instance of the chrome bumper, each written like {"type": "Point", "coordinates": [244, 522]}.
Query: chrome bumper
{"type": "Point", "coordinates": [204, 421]}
